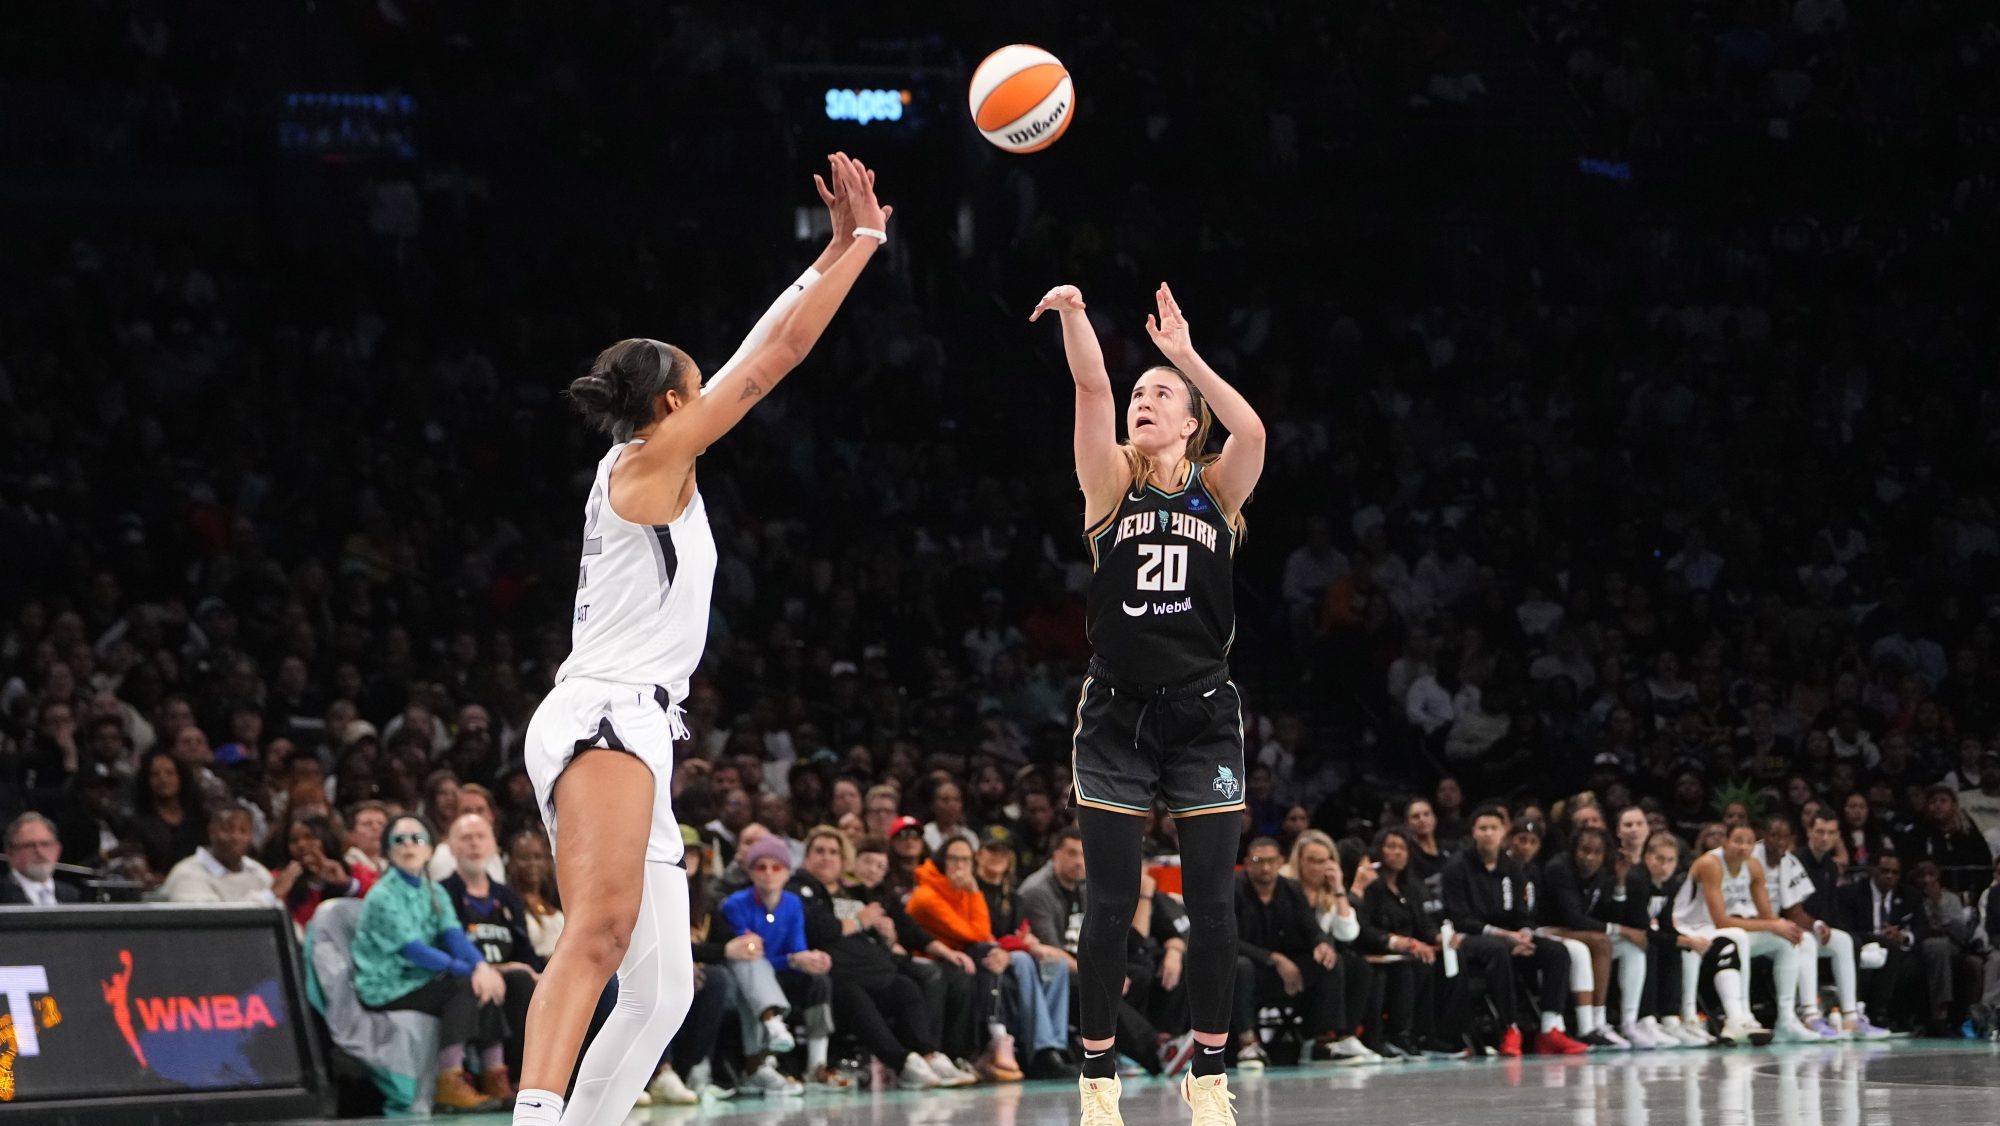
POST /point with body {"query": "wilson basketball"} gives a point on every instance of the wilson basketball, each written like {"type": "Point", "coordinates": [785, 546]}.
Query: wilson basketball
{"type": "Point", "coordinates": [1022, 98]}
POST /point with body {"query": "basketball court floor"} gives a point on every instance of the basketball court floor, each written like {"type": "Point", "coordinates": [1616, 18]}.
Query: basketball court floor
{"type": "Point", "coordinates": [1898, 1083]}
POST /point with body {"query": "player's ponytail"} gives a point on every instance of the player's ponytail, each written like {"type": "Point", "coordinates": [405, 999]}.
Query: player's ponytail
{"type": "Point", "coordinates": [617, 395]}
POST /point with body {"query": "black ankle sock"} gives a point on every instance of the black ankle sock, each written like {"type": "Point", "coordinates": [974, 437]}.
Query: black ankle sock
{"type": "Point", "coordinates": [1100, 1065]}
{"type": "Point", "coordinates": [1208, 1060]}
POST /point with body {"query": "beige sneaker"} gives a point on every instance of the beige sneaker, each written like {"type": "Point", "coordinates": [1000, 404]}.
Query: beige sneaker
{"type": "Point", "coordinates": [1100, 1101]}
{"type": "Point", "coordinates": [1209, 1096]}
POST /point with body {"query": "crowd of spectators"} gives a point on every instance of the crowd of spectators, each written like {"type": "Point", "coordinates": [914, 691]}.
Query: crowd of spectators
{"type": "Point", "coordinates": [1668, 494]}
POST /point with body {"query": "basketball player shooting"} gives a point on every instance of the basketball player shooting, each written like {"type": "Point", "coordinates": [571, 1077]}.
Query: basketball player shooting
{"type": "Point", "coordinates": [1158, 714]}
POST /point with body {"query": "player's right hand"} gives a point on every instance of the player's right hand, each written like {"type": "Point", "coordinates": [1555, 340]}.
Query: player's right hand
{"type": "Point", "coordinates": [1063, 298]}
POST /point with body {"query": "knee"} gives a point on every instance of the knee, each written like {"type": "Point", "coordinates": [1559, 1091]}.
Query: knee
{"type": "Point", "coordinates": [598, 940]}
{"type": "Point", "coordinates": [1596, 944]}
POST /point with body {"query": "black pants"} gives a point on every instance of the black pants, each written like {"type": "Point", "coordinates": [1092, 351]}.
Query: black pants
{"type": "Point", "coordinates": [1662, 995]}
{"type": "Point", "coordinates": [949, 998]}
{"type": "Point", "coordinates": [461, 1018]}
{"type": "Point", "coordinates": [1403, 1000]}
{"type": "Point", "coordinates": [868, 1007]}
{"type": "Point", "coordinates": [701, 1032]}
{"type": "Point", "coordinates": [1493, 961]}
{"type": "Point", "coordinates": [1323, 1001]}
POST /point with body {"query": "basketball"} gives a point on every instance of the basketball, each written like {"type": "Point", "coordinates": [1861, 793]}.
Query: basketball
{"type": "Point", "coordinates": [1022, 98]}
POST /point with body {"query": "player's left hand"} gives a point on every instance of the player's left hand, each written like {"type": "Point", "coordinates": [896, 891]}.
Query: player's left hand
{"type": "Point", "coordinates": [838, 211]}
{"type": "Point", "coordinates": [1169, 329]}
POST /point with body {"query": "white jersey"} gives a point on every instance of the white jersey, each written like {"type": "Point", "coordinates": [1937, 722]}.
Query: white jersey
{"type": "Point", "coordinates": [642, 593]}
{"type": "Point", "coordinates": [1691, 906]}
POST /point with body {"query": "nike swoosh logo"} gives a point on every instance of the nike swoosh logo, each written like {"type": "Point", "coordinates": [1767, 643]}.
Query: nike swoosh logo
{"type": "Point", "coordinates": [1132, 611]}
{"type": "Point", "coordinates": [536, 1106]}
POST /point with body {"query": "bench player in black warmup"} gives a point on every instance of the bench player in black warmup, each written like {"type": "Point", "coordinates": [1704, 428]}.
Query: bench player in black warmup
{"type": "Point", "coordinates": [1158, 712]}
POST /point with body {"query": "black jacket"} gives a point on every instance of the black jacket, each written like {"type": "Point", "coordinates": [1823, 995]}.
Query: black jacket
{"type": "Point", "coordinates": [13, 894]}
{"type": "Point", "coordinates": [1476, 897]}
{"type": "Point", "coordinates": [860, 954]}
{"type": "Point", "coordinates": [1283, 926]}
{"type": "Point", "coordinates": [1857, 913]}
{"type": "Point", "coordinates": [1963, 854]}
{"type": "Point", "coordinates": [1823, 904]}
{"type": "Point", "coordinates": [1385, 912]}
{"type": "Point", "coordinates": [1580, 903]}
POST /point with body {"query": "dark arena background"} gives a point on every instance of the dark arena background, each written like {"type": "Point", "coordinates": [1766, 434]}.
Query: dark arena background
{"type": "Point", "coordinates": [1633, 423]}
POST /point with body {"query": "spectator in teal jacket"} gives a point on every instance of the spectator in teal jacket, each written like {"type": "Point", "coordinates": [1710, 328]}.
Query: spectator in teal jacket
{"type": "Point", "coordinates": [411, 953]}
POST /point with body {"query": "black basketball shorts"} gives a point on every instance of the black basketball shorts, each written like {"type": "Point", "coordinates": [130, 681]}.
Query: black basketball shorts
{"type": "Point", "coordinates": [1183, 744]}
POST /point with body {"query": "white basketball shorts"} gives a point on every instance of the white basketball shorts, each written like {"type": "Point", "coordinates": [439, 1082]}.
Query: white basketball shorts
{"type": "Point", "coordinates": [580, 715]}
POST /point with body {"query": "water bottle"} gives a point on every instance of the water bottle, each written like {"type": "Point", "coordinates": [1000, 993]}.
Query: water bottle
{"type": "Point", "coordinates": [1445, 935]}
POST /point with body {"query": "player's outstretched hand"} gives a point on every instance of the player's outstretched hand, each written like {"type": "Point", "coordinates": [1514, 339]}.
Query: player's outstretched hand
{"type": "Point", "coordinates": [855, 182]}
{"type": "Point", "coordinates": [1169, 329]}
{"type": "Point", "coordinates": [1063, 298]}
{"type": "Point", "coordinates": [838, 211]}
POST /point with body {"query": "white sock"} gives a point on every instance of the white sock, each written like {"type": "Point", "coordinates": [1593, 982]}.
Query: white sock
{"type": "Point", "coordinates": [1729, 983]}
{"type": "Point", "coordinates": [1552, 1022]}
{"type": "Point", "coordinates": [1597, 1016]}
{"type": "Point", "coordinates": [537, 1108]}
{"type": "Point", "coordinates": [815, 1052]}
{"type": "Point", "coordinates": [1586, 1020]}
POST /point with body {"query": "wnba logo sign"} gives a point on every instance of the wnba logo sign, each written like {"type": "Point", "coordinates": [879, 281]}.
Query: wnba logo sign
{"type": "Point", "coordinates": [158, 1016]}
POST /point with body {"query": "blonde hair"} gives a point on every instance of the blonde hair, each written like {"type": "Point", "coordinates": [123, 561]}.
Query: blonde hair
{"type": "Point", "coordinates": [1293, 863]}
{"type": "Point", "coordinates": [1140, 467]}
{"type": "Point", "coordinates": [838, 837]}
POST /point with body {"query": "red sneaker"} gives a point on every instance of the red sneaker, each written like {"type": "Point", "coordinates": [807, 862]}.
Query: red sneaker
{"type": "Point", "coordinates": [1510, 1044]}
{"type": "Point", "coordinates": [1556, 1042]}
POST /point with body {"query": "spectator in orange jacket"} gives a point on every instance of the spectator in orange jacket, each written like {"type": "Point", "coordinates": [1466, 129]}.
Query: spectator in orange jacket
{"type": "Point", "coordinates": [947, 902]}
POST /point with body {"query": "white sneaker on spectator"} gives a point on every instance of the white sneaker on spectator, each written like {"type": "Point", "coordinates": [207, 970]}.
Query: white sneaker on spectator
{"type": "Point", "coordinates": [768, 1080]}
{"type": "Point", "coordinates": [778, 1035]}
{"type": "Point", "coordinates": [1617, 1039]}
{"type": "Point", "coordinates": [1689, 1032]}
{"type": "Point", "coordinates": [1348, 1051]}
{"type": "Point", "coordinates": [1251, 1057]}
{"type": "Point", "coordinates": [1645, 1034]}
{"type": "Point", "coordinates": [1791, 1030]}
{"type": "Point", "coordinates": [667, 1088]}
{"type": "Point", "coordinates": [949, 1073]}
{"type": "Point", "coordinates": [917, 1074]}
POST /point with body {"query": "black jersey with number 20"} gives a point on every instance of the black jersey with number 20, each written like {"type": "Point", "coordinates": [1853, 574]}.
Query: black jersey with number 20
{"type": "Point", "coordinates": [1162, 607]}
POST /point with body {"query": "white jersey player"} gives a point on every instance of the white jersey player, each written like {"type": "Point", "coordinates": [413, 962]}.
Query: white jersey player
{"type": "Point", "coordinates": [1727, 901]}
{"type": "Point", "coordinates": [600, 746]}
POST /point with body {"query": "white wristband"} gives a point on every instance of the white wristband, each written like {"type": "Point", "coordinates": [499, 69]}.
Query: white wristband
{"type": "Point", "coordinates": [871, 232]}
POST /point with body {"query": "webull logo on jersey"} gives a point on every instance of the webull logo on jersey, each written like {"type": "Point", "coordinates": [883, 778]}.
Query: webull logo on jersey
{"type": "Point", "coordinates": [1143, 608]}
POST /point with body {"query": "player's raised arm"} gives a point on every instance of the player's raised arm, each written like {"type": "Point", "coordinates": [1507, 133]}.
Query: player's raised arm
{"type": "Point", "coordinates": [1100, 466]}
{"type": "Point", "coordinates": [793, 332]}
{"type": "Point", "coordinates": [841, 221]}
{"type": "Point", "coordinates": [1234, 474]}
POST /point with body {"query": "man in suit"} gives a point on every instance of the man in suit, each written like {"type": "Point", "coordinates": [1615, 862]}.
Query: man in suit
{"type": "Point", "coordinates": [1880, 910]}
{"type": "Point", "coordinates": [32, 852]}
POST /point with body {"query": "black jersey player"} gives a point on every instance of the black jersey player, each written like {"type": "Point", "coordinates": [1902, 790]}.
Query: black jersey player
{"type": "Point", "coordinates": [1158, 715]}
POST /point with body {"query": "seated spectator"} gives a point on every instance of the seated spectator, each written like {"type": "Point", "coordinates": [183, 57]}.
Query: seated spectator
{"type": "Point", "coordinates": [1283, 954]}
{"type": "Point", "coordinates": [531, 871]}
{"type": "Point", "coordinates": [365, 822]}
{"type": "Point", "coordinates": [1394, 920]}
{"type": "Point", "coordinates": [947, 818]}
{"type": "Point", "coordinates": [1986, 947]}
{"type": "Point", "coordinates": [1052, 902]}
{"type": "Point", "coordinates": [1580, 904]}
{"type": "Point", "coordinates": [948, 977]}
{"type": "Point", "coordinates": [316, 872]}
{"type": "Point", "coordinates": [1947, 838]}
{"type": "Point", "coordinates": [1315, 866]}
{"type": "Point", "coordinates": [1947, 936]}
{"type": "Point", "coordinates": [471, 798]}
{"type": "Point", "coordinates": [32, 854]}
{"type": "Point", "coordinates": [1484, 900]}
{"type": "Point", "coordinates": [906, 855]}
{"type": "Point", "coordinates": [870, 998]}
{"type": "Point", "coordinates": [776, 972]}
{"type": "Point", "coordinates": [496, 920]}
{"type": "Point", "coordinates": [223, 871]}
{"type": "Point", "coordinates": [411, 954]}
{"type": "Point", "coordinates": [1803, 890]}
{"type": "Point", "coordinates": [1878, 910]}
{"type": "Point", "coordinates": [168, 816]}
{"type": "Point", "coordinates": [948, 904]}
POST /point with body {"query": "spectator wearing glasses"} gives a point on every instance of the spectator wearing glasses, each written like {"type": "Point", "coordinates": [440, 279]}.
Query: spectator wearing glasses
{"type": "Point", "coordinates": [410, 953]}
{"type": "Point", "coordinates": [1878, 910]}
{"type": "Point", "coordinates": [1281, 954]}
{"type": "Point", "coordinates": [763, 929]}
{"type": "Point", "coordinates": [32, 853]}
{"type": "Point", "coordinates": [954, 985]}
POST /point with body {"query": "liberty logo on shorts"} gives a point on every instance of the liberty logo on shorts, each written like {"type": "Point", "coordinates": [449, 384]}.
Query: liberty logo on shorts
{"type": "Point", "coordinates": [1225, 783]}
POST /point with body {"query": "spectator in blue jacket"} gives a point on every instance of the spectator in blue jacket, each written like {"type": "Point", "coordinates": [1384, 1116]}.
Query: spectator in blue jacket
{"type": "Point", "coordinates": [764, 927]}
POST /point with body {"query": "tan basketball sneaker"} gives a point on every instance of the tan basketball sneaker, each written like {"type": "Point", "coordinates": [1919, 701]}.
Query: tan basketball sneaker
{"type": "Point", "coordinates": [1209, 1097]}
{"type": "Point", "coordinates": [1100, 1101]}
